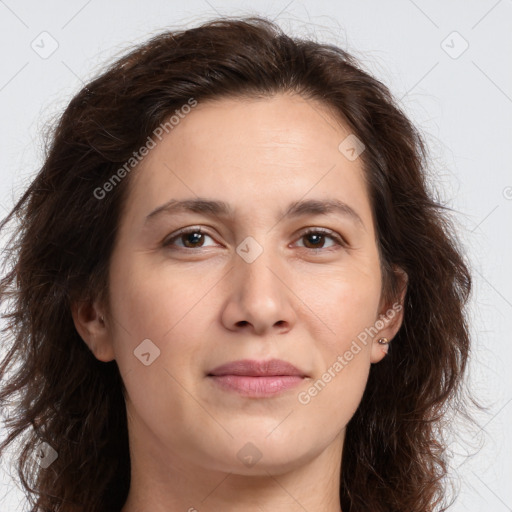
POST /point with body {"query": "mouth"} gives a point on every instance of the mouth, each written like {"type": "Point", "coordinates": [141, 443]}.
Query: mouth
{"type": "Point", "coordinates": [257, 378]}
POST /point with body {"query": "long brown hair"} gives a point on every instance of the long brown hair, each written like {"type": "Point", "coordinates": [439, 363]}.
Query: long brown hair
{"type": "Point", "coordinates": [394, 458]}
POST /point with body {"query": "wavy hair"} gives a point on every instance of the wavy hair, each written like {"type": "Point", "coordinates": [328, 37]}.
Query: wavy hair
{"type": "Point", "coordinates": [394, 458]}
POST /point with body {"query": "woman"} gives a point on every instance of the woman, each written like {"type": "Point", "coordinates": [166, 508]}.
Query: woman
{"type": "Point", "coordinates": [231, 289]}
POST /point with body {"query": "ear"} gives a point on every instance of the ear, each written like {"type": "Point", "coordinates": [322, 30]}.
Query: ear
{"type": "Point", "coordinates": [90, 323]}
{"type": "Point", "coordinates": [391, 314]}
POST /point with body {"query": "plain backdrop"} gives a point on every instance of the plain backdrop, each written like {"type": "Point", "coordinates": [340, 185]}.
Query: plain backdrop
{"type": "Point", "coordinates": [448, 63]}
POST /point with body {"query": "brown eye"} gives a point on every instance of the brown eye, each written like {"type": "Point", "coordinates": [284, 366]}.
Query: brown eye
{"type": "Point", "coordinates": [190, 239]}
{"type": "Point", "coordinates": [316, 239]}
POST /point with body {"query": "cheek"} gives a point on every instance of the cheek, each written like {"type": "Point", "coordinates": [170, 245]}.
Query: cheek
{"type": "Point", "coordinates": [171, 309]}
{"type": "Point", "coordinates": [154, 326]}
{"type": "Point", "coordinates": [154, 303]}
{"type": "Point", "coordinates": [334, 396]}
{"type": "Point", "coordinates": [348, 308]}
{"type": "Point", "coordinates": [345, 357]}
{"type": "Point", "coordinates": [345, 301]}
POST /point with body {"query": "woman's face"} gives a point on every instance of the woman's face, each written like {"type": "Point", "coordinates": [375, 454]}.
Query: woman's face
{"type": "Point", "coordinates": [252, 285]}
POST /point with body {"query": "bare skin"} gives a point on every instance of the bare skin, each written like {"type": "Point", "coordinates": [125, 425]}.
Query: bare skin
{"type": "Point", "coordinates": [304, 299]}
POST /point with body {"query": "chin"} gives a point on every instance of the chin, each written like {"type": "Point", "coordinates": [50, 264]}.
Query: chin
{"type": "Point", "coordinates": [261, 455]}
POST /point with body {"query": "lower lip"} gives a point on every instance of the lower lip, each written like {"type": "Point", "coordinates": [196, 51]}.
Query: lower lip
{"type": "Point", "coordinates": [257, 386]}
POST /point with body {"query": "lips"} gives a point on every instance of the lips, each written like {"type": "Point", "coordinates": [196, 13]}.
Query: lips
{"type": "Point", "coordinates": [253, 368]}
{"type": "Point", "coordinates": [257, 379]}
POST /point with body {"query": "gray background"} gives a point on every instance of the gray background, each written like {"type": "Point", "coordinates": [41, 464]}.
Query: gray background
{"type": "Point", "coordinates": [460, 98]}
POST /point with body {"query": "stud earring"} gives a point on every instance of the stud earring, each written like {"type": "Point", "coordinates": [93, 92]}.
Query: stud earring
{"type": "Point", "coordinates": [384, 343]}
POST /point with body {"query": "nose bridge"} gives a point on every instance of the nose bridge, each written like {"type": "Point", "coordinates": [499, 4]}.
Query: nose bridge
{"type": "Point", "coordinates": [256, 267]}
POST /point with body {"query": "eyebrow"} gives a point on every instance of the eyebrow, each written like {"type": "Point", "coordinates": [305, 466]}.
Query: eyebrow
{"type": "Point", "coordinates": [223, 209]}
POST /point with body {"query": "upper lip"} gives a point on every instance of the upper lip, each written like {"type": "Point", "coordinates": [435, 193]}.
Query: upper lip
{"type": "Point", "coordinates": [253, 368]}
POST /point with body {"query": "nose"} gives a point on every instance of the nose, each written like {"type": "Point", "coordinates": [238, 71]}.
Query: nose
{"type": "Point", "coordinates": [260, 297]}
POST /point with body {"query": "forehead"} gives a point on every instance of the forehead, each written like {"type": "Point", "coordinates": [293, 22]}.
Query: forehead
{"type": "Point", "coordinates": [250, 153]}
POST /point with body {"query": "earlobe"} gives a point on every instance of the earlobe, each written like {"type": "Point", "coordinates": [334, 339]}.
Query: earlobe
{"type": "Point", "coordinates": [90, 324]}
{"type": "Point", "coordinates": [389, 323]}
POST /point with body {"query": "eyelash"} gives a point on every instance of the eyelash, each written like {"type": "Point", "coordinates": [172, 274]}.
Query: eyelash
{"type": "Point", "coordinates": [339, 241]}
